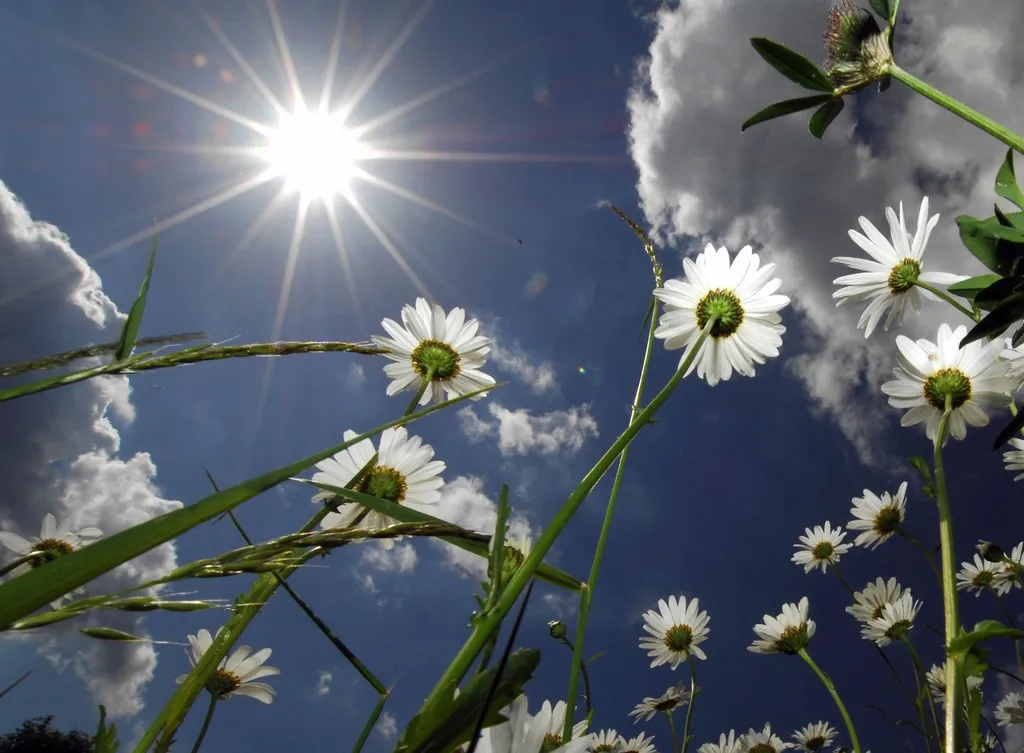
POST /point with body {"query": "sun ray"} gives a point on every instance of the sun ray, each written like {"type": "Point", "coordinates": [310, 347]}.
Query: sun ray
{"type": "Point", "coordinates": [254, 77]}
{"type": "Point", "coordinates": [426, 203]}
{"type": "Point", "coordinates": [298, 102]}
{"type": "Point", "coordinates": [346, 263]}
{"type": "Point", "coordinates": [332, 58]}
{"type": "Point", "coordinates": [423, 155]}
{"type": "Point", "coordinates": [289, 268]}
{"type": "Point", "coordinates": [389, 246]}
{"type": "Point", "coordinates": [385, 60]}
{"type": "Point", "coordinates": [215, 149]}
{"type": "Point", "coordinates": [177, 91]}
{"type": "Point", "coordinates": [254, 228]}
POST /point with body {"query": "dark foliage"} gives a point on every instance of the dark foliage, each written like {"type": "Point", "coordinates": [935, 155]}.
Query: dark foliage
{"type": "Point", "coordinates": [39, 736]}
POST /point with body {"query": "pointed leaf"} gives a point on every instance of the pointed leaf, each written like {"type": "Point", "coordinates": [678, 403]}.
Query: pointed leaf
{"type": "Point", "coordinates": [786, 107]}
{"type": "Point", "coordinates": [1001, 317]}
{"type": "Point", "coordinates": [1006, 182]}
{"type": "Point", "coordinates": [792, 65]}
{"type": "Point", "coordinates": [995, 246]}
{"type": "Point", "coordinates": [110, 634]}
{"type": "Point", "coordinates": [971, 287]}
{"type": "Point", "coordinates": [131, 325]}
{"type": "Point", "coordinates": [106, 737]}
{"type": "Point", "coordinates": [824, 115]}
{"type": "Point", "coordinates": [996, 293]}
{"type": "Point", "coordinates": [983, 631]}
{"type": "Point", "coordinates": [1007, 432]}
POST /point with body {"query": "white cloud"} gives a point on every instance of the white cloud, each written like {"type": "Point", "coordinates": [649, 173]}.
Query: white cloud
{"type": "Point", "coordinates": [59, 451]}
{"type": "Point", "coordinates": [777, 187]}
{"type": "Point", "coordinates": [521, 433]}
{"type": "Point", "coordinates": [539, 377]}
{"type": "Point", "coordinates": [387, 725]}
{"type": "Point", "coordinates": [401, 558]}
{"type": "Point", "coordinates": [356, 375]}
{"type": "Point", "coordinates": [323, 682]}
{"type": "Point", "coordinates": [561, 604]}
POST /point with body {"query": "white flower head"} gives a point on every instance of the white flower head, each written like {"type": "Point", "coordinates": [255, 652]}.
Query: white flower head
{"type": "Point", "coordinates": [763, 742]}
{"type": "Point", "coordinates": [726, 744]}
{"type": "Point", "coordinates": [449, 346]}
{"type": "Point", "coordinates": [552, 719]}
{"type": "Point", "coordinates": [979, 576]}
{"type": "Point", "coordinates": [236, 674]}
{"type": "Point", "coordinates": [1010, 710]}
{"type": "Point", "coordinates": [887, 279]}
{"type": "Point", "coordinates": [788, 633]}
{"type": "Point", "coordinates": [820, 547]}
{"type": "Point", "coordinates": [814, 737]}
{"type": "Point", "coordinates": [404, 473]}
{"type": "Point", "coordinates": [742, 295]}
{"type": "Point", "coordinates": [676, 631]}
{"type": "Point", "coordinates": [1012, 571]}
{"type": "Point", "coordinates": [605, 741]}
{"type": "Point", "coordinates": [639, 744]}
{"type": "Point", "coordinates": [973, 378]}
{"type": "Point", "coordinates": [524, 733]}
{"type": "Point", "coordinates": [936, 679]}
{"type": "Point", "coordinates": [869, 604]}
{"type": "Point", "coordinates": [896, 620]}
{"type": "Point", "coordinates": [878, 517]}
{"type": "Point", "coordinates": [668, 702]}
{"type": "Point", "coordinates": [1014, 459]}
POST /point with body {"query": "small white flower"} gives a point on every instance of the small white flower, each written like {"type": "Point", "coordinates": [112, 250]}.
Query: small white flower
{"type": "Point", "coordinates": [820, 547]}
{"type": "Point", "coordinates": [978, 577]}
{"type": "Point", "coordinates": [1014, 459]}
{"type": "Point", "coordinates": [236, 673]}
{"type": "Point", "coordinates": [896, 620]}
{"type": "Point", "coordinates": [742, 294]}
{"type": "Point", "coordinates": [869, 604]}
{"type": "Point", "coordinates": [887, 279]}
{"type": "Point", "coordinates": [725, 744]}
{"type": "Point", "coordinates": [430, 340]}
{"type": "Point", "coordinates": [670, 700]}
{"type": "Point", "coordinates": [878, 517]}
{"type": "Point", "coordinates": [523, 733]}
{"type": "Point", "coordinates": [605, 741]}
{"type": "Point", "coordinates": [814, 737]}
{"type": "Point", "coordinates": [1010, 710]}
{"type": "Point", "coordinates": [556, 720]}
{"type": "Point", "coordinates": [763, 741]}
{"type": "Point", "coordinates": [1012, 572]}
{"type": "Point", "coordinates": [936, 679]}
{"type": "Point", "coordinates": [676, 631]}
{"type": "Point", "coordinates": [973, 377]}
{"type": "Point", "coordinates": [639, 744]}
{"type": "Point", "coordinates": [404, 474]}
{"type": "Point", "coordinates": [787, 633]}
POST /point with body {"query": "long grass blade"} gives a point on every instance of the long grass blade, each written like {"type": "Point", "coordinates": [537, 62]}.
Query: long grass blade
{"type": "Point", "coordinates": [131, 325]}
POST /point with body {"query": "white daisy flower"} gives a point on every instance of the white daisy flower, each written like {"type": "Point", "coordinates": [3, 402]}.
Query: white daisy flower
{"type": "Point", "coordinates": [869, 604]}
{"type": "Point", "coordinates": [523, 733]}
{"type": "Point", "coordinates": [670, 700]}
{"type": "Point", "coordinates": [404, 473]}
{"type": "Point", "coordinates": [430, 340]}
{"type": "Point", "coordinates": [936, 679]}
{"type": "Point", "coordinates": [1010, 710]}
{"type": "Point", "coordinates": [878, 517]}
{"type": "Point", "coordinates": [814, 737]}
{"type": "Point", "coordinates": [1014, 459]}
{"type": "Point", "coordinates": [820, 547]}
{"type": "Point", "coordinates": [236, 673]}
{"type": "Point", "coordinates": [974, 377]}
{"type": "Point", "coordinates": [555, 716]}
{"type": "Point", "coordinates": [53, 540]}
{"type": "Point", "coordinates": [676, 631]}
{"type": "Point", "coordinates": [887, 279]}
{"type": "Point", "coordinates": [763, 741]}
{"type": "Point", "coordinates": [896, 620]}
{"type": "Point", "coordinates": [742, 294]}
{"type": "Point", "coordinates": [1012, 571]}
{"type": "Point", "coordinates": [979, 576]}
{"type": "Point", "coordinates": [605, 741]}
{"type": "Point", "coordinates": [1015, 358]}
{"type": "Point", "coordinates": [787, 633]}
{"type": "Point", "coordinates": [725, 744]}
{"type": "Point", "coordinates": [639, 744]}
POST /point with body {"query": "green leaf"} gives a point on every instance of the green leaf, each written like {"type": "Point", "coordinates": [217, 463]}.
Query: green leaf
{"type": "Point", "coordinates": [404, 514]}
{"type": "Point", "coordinates": [786, 107]}
{"type": "Point", "coordinates": [1006, 182]}
{"type": "Point", "coordinates": [995, 246]}
{"type": "Point", "coordinates": [106, 737]}
{"type": "Point", "coordinates": [893, 8]}
{"type": "Point", "coordinates": [28, 592]}
{"type": "Point", "coordinates": [453, 724]}
{"type": "Point", "coordinates": [983, 631]}
{"type": "Point", "coordinates": [595, 657]}
{"type": "Point", "coordinates": [881, 7]}
{"type": "Point", "coordinates": [110, 634]}
{"type": "Point", "coordinates": [131, 326]}
{"type": "Point", "coordinates": [972, 286]}
{"type": "Point", "coordinates": [998, 320]}
{"type": "Point", "coordinates": [824, 115]}
{"type": "Point", "coordinates": [1007, 432]}
{"type": "Point", "coordinates": [924, 470]}
{"type": "Point", "coordinates": [996, 293]}
{"type": "Point", "coordinates": [792, 65]}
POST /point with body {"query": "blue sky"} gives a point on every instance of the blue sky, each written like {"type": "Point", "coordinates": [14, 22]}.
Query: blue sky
{"type": "Point", "coordinates": [629, 107]}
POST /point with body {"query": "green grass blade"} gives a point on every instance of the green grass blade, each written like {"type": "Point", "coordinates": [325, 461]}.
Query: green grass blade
{"type": "Point", "coordinates": [93, 351]}
{"type": "Point", "coordinates": [58, 381]}
{"type": "Point", "coordinates": [371, 722]}
{"type": "Point", "coordinates": [134, 320]}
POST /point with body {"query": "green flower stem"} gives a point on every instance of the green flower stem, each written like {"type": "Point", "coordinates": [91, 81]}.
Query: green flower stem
{"type": "Point", "coordinates": [928, 555]}
{"type": "Point", "coordinates": [595, 565]}
{"type": "Point", "coordinates": [949, 593]}
{"type": "Point", "coordinates": [839, 575]}
{"type": "Point", "coordinates": [689, 706]}
{"type": "Point", "coordinates": [587, 694]}
{"type": "Point", "coordinates": [830, 686]}
{"type": "Point", "coordinates": [492, 620]}
{"type": "Point", "coordinates": [206, 724]}
{"type": "Point", "coordinates": [672, 731]}
{"type": "Point", "coordinates": [918, 673]}
{"type": "Point", "coordinates": [956, 107]}
{"type": "Point", "coordinates": [973, 315]}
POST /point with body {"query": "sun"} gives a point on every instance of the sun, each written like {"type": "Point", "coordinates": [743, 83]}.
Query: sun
{"type": "Point", "coordinates": [314, 153]}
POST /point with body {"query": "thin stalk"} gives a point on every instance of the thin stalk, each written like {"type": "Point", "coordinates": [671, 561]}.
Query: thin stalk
{"type": "Point", "coordinates": [371, 722]}
{"type": "Point", "coordinates": [93, 351]}
{"type": "Point", "coordinates": [973, 315]}
{"type": "Point", "coordinates": [993, 731]}
{"type": "Point", "coordinates": [672, 731]}
{"type": "Point", "coordinates": [951, 607]}
{"type": "Point", "coordinates": [602, 540]}
{"type": "Point", "coordinates": [927, 553]}
{"type": "Point", "coordinates": [956, 107]}
{"type": "Point", "coordinates": [918, 671]}
{"type": "Point", "coordinates": [839, 575]}
{"type": "Point", "coordinates": [831, 688]}
{"type": "Point", "coordinates": [1013, 624]}
{"type": "Point", "coordinates": [1002, 671]}
{"type": "Point", "coordinates": [489, 622]}
{"type": "Point", "coordinates": [689, 706]}
{"type": "Point", "coordinates": [206, 724]}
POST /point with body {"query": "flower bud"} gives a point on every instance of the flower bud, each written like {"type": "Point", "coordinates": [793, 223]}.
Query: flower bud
{"type": "Point", "coordinates": [557, 630]}
{"type": "Point", "coordinates": [990, 552]}
{"type": "Point", "coordinates": [858, 51]}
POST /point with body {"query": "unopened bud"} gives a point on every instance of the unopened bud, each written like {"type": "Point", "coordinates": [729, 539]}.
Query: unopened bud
{"type": "Point", "coordinates": [557, 630]}
{"type": "Point", "coordinates": [990, 552]}
{"type": "Point", "coordinates": [858, 52]}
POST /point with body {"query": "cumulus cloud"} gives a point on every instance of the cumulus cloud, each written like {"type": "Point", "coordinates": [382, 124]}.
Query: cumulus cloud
{"type": "Point", "coordinates": [795, 197]}
{"type": "Point", "coordinates": [400, 559]}
{"type": "Point", "coordinates": [59, 451]}
{"type": "Point", "coordinates": [387, 725]}
{"type": "Point", "coordinates": [323, 682]}
{"type": "Point", "coordinates": [521, 433]}
{"type": "Point", "coordinates": [539, 377]}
